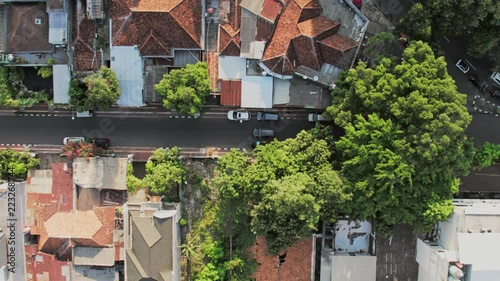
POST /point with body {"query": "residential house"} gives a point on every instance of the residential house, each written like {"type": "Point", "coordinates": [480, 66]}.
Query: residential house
{"type": "Point", "coordinates": [65, 242]}
{"type": "Point", "coordinates": [148, 39]}
{"type": "Point", "coordinates": [152, 241]}
{"type": "Point", "coordinates": [347, 253]}
{"type": "Point", "coordinates": [465, 247]}
{"type": "Point", "coordinates": [284, 53]}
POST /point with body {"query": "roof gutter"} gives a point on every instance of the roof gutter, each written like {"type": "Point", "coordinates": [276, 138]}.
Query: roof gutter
{"type": "Point", "coordinates": [362, 35]}
{"type": "Point", "coordinates": [268, 71]}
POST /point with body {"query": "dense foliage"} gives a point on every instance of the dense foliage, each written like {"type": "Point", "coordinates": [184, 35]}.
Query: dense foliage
{"type": "Point", "coordinates": [98, 91]}
{"type": "Point", "coordinates": [486, 155]}
{"type": "Point", "coordinates": [134, 184]}
{"type": "Point", "coordinates": [164, 170]}
{"type": "Point", "coordinates": [185, 89]}
{"type": "Point", "coordinates": [404, 145]}
{"type": "Point", "coordinates": [480, 19]}
{"type": "Point", "coordinates": [15, 164]}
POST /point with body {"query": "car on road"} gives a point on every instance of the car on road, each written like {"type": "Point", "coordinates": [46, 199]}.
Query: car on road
{"type": "Point", "coordinates": [266, 116]}
{"type": "Point", "coordinates": [495, 195]}
{"type": "Point", "coordinates": [463, 66]}
{"type": "Point", "coordinates": [263, 133]}
{"type": "Point", "coordinates": [67, 140]}
{"type": "Point", "coordinates": [478, 82]}
{"type": "Point", "coordinates": [474, 195]}
{"type": "Point", "coordinates": [496, 78]}
{"type": "Point", "coordinates": [100, 142]}
{"type": "Point", "coordinates": [237, 115]}
{"type": "Point", "coordinates": [316, 117]}
{"type": "Point", "coordinates": [262, 141]}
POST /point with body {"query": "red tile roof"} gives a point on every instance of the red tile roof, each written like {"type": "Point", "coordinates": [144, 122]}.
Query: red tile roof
{"type": "Point", "coordinates": [339, 42]}
{"type": "Point", "coordinates": [83, 37]}
{"type": "Point", "coordinates": [295, 40]}
{"type": "Point", "coordinates": [229, 44]}
{"type": "Point", "coordinates": [46, 268]}
{"type": "Point", "coordinates": [230, 94]}
{"type": "Point", "coordinates": [297, 266]}
{"type": "Point", "coordinates": [213, 70]}
{"type": "Point", "coordinates": [156, 26]}
{"type": "Point", "coordinates": [23, 35]}
{"type": "Point", "coordinates": [270, 10]}
{"type": "Point", "coordinates": [316, 26]}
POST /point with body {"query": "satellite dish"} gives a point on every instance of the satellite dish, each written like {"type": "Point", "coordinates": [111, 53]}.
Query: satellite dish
{"type": "Point", "coordinates": [264, 73]}
{"type": "Point", "coordinates": [10, 57]}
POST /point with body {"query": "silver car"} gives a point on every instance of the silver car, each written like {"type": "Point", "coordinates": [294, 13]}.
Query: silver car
{"type": "Point", "coordinates": [236, 115]}
{"type": "Point", "coordinates": [463, 66]}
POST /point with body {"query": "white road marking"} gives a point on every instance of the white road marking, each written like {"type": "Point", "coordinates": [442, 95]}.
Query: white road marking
{"type": "Point", "coordinates": [471, 64]}
{"type": "Point", "coordinates": [445, 37]}
{"type": "Point", "coordinates": [488, 175]}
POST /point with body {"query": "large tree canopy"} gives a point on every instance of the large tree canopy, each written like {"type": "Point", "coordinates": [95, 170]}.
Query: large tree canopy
{"type": "Point", "coordinates": [15, 164]}
{"type": "Point", "coordinates": [164, 170]}
{"type": "Point", "coordinates": [185, 89]}
{"type": "Point", "coordinates": [284, 189]}
{"type": "Point", "coordinates": [404, 145]}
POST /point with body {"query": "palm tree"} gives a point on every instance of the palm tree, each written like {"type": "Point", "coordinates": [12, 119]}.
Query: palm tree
{"type": "Point", "coordinates": [188, 249]}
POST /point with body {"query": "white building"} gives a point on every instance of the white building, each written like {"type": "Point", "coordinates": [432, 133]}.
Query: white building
{"type": "Point", "coordinates": [466, 247]}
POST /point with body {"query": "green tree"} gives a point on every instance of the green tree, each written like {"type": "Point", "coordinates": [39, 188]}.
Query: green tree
{"type": "Point", "coordinates": [417, 23]}
{"type": "Point", "coordinates": [46, 71]}
{"type": "Point", "coordinates": [486, 155]}
{"type": "Point", "coordinates": [483, 40]}
{"type": "Point", "coordinates": [15, 165]}
{"type": "Point", "coordinates": [164, 170]}
{"type": "Point", "coordinates": [133, 183]}
{"type": "Point", "coordinates": [404, 144]}
{"type": "Point", "coordinates": [287, 212]}
{"type": "Point", "coordinates": [98, 91]}
{"type": "Point", "coordinates": [186, 89]}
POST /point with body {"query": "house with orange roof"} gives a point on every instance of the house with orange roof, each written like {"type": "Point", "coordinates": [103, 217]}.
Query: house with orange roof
{"type": "Point", "coordinates": [285, 52]}
{"type": "Point", "coordinates": [148, 39]}
{"type": "Point", "coordinates": [65, 242]}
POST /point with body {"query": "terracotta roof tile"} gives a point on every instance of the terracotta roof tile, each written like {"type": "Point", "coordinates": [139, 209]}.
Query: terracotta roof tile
{"type": "Point", "coordinates": [296, 267]}
{"type": "Point", "coordinates": [229, 41]}
{"type": "Point", "coordinates": [213, 69]}
{"type": "Point", "coordinates": [145, 25]}
{"type": "Point", "coordinates": [230, 93]}
{"type": "Point", "coordinates": [294, 43]}
{"type": "Point", "coordinates": [46, 264]}
{"type": "Point", "coordinates": [339, 42]}
{"type": "Point", "coordinates": [83, 37]}
{"type": "Point", "coordinates": [316, 26]}
{"type": "Point", "coordinates": [270, 10]}
{"type": "Point", "coordinates": [156, 5]}
{"type": "Point", "coordinates": [107, 217]}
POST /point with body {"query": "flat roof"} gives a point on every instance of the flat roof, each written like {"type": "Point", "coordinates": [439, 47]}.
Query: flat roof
{"type": "Point", "coordinates": [61, 78]}
{"type": "Point", "coordinates": [126, 62]}
{"type": "Point", "coordinates": [354, 268]}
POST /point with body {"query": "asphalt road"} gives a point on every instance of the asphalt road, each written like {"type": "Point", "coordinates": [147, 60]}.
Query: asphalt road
{"type": "Point", "coordinates": [143, 132]}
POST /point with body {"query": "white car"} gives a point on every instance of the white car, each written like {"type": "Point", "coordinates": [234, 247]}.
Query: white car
{"type": "Point", "coordinates": [235, 115]}
{"type": "Point", "coordinates": [463, 66]}
{"type": "Point", "coordinates": [67, 140]}
{"type": "Point", "coordinates": [496, 78]}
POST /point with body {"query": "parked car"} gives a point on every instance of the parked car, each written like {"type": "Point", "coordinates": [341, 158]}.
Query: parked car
{"type": "Point", "coordinates": [236, 115]}
{"type": "Point", "coordinates": [102, 142]}
{"type": "Point", "coordinates": [262, 141]}
{"type": "Point", "coordinates": [266, 116]}
{"type": "Point", "coordinates": [316, 117]}
{"type": "Point", "coordinates": [478, 82]}
{"type": "Point", "coordinates": [263, 133]}
{"type": "Point", "coordinates": [463, 66]}
{"type": "Point", "coordinates": [67, 140]}
{"type": "Point", "coordinates": [496, 78]}
{"type": "Point", "coordinates": [475, 195]}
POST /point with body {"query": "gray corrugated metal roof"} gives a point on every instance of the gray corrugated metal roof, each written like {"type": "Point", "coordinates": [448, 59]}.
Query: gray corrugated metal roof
{"type": "Point", "coordinates": [248, 30]}
{"type": "Point", "coordinates": [94, 256]}
{"type": "Point", "coordinates": [61, 78]}
{"type": "Point", "coordinates": [126, 62]}
{"type": "Point", "coordinates": [254, 6]}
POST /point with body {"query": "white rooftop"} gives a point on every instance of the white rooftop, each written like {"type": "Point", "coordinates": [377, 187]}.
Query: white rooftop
{"type": "Point", "coordinates": [126, 62]}
{"type": "Point", "coordinates": [352, 236]}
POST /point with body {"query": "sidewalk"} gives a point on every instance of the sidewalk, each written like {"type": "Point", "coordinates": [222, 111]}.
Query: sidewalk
{"type": "Point", "coordinates": [140, 154]}
{"type": "Point", "coordinates": [143, 112]}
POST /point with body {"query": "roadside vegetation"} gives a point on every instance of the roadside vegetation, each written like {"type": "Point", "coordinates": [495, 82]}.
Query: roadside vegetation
{"type": "Point", "coordinates": [15, 164]}
{"type": "Point", "coordinates": [404, 145]}
{"type": "Point", "coordinates": [479, 21]}
{"type": "Point", "coordinates": [98, 91]}
{"type": "Point", "coordinates": [13, 93]}
{"type": "Point", "coordinates": [486, 155]}
{"type": "Point", "coordinates": [185, 89]}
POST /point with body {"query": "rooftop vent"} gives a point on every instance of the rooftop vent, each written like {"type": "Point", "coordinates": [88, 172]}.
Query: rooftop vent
{"type": "Point", "coordinates": [38, 21]}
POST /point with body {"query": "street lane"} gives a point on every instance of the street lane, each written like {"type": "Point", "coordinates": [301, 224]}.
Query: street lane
{"type": "Point", "coordinates": [143, 132]}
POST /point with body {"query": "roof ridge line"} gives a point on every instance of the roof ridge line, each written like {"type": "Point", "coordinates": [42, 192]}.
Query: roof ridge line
{"type": "Point", "coordinates": [181, 25]}
{"type": "Point", "coordinates": [122, 26]}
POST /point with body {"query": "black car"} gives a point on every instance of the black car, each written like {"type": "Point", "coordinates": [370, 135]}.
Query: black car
{"type": "Point", "coordinates": [481, 84]}
{"type": "Point", "coordinates": [100, 142]}
{"type": "Point", "coordinates": [495, 195]}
